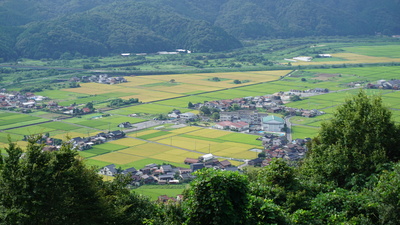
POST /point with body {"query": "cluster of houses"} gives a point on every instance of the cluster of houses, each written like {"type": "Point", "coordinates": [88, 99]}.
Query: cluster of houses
{"type": "Point", "coordinates": [101, 79]}
{"type": "Point", "coordinates": [279, 147]}
{"type": "Point", "coordinates": [313, 90]}
{"type": "Point", "coordinates": [168, 174]}
{"type": "Point", "coordinates": [52, 106]}
{"type": "Point", "coordinates": [266, 102]}
{"type": "Point", "coordinates": [81, 144]}
{"type": "Point", "coordinates": [242, 122]}
{"type": "Point", "coordinates": [176, 114]}
{"type": "Point", "coordinates": [290, 111]}
{"type": "Point", "coordinates": [16, 99]}
{"type": "Point", "coordinates": [29, 100]}
{"type": "Point", "coordinates": [383, 84]}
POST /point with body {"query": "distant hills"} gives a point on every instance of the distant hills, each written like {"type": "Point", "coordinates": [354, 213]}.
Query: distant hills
{"type": "Point", "coordinates": [50, 28]}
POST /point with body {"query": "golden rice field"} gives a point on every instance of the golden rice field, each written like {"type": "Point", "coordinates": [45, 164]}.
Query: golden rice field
{"type": "Point", "coordinates": [186, 130]}
{"type": "Point", "coordinates": [149, 95]}
{"type": "Point", "coordinates": [21, 144]}
{"type": "Point", "coordinates": [117, 158]}
{"type": "Point", "coordinates": [141, 133]}
{"type": "Point", "coordinates": [185, 88]}
{"type": "Point", "coordinates": [208, 133]}
{"type": "Point", "coordinates": [128, 142]}
{"type": "Point", "coordinates": [149, 150]}
{"type": "Point", "coordinates": [173, 147]}
{"type": "Point", "coordinates": [162, 137]}
{"type": "Point", "coordinates": [186, 83]}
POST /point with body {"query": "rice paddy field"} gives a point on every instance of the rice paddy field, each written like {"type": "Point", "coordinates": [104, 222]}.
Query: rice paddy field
{"type": "Point", "coordinates": [153, 191]}
{"type": "Point", "coordinates": [10, 120]}
{"type": "Point", "coordinates": [161, 96]}
{"type": "Point", "coordinates": [329, 102]}
{"type": "Point", "coordinates": [172, 146]}
{"type": "Point", "coordinates": [160, 87]}
{"type": "Point", "coordinates": [360, 54]}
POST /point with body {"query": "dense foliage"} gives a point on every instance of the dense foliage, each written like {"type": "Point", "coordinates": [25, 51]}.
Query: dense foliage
{"type": "Point", "coordinates": [358, 142]}
{"type": "Point", "coordinates": [39, 187]}
{"type": "Point", "coordinates": [48, 29]}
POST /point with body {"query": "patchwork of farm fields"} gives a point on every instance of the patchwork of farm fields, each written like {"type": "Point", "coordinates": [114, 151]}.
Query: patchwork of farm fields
{"type": "Point", "coordinates": [329, 102]}
{"type": "Point", "coordinates": [172, 146]}
{"type": "Point", "coordinates": [159, 87]}
{"type": "Point", "coordinates": [163, 93]}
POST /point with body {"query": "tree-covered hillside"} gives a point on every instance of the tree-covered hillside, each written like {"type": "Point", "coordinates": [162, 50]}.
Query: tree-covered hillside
{"type": "Point", "coordinates": [47, 29]}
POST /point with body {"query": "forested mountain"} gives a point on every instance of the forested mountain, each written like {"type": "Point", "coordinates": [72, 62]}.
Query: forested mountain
{"type": "Point", "coordinates": [49, 28]}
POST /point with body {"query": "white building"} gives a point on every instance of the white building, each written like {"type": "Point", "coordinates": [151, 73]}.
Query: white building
{"type": "Point", "coordinates": [325, 55]}
{"type": "Point", "coordinates": [303, 58]}
{"type": "Point", "coordinates": [273, 124]}
{"type": "Point", "coordinates": [206, 157]}
{"type": "Point", "coordinates": [188, 115]}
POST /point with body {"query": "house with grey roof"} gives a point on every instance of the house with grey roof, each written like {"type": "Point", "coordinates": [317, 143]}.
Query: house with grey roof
{"type": "Point", "coordinates": [109, 170]}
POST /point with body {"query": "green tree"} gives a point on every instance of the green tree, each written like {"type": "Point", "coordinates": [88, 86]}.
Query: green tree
{"type": "Point", "coordinates": [237, 82]}
{"type": "Point", "coordinates": [215, 116]}
{"type": "Point", "coordinates": [205, 110]}
{"type": "Point", "coordinates": [280, 183]}
{"type": "Point", "coordinates": [216, 79]}
{"type": "Point", "coordinates": [39, 187]}
{"type": "Point", "coordinates": [234, 107]}
{"type": "Point", "coordinates": [387, 196]}
{"type": "Point", "coordinates": [356, 143]}
{"type": "Point", "coordinates": [89, 105]}
{"type": "Point", "coordinates": [190, 105]}
{"type": "Point", "coordinates": [339, 206]}
{"type": "Point", "coordinates": [217, 197]}
{"type": "Point", "coordinates": [48, 188]}
{"type": "Point", "coordinates": [295, 98]}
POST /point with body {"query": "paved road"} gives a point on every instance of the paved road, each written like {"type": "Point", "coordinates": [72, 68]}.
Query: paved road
{"type": "Point", "coordinates": [144, 125]}
{"type": "Point", "coordinates": [288, 129]}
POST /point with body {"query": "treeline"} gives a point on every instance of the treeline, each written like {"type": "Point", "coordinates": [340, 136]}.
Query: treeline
{"type": "Point", "coordinates": [48, 29]}
{"type": "Point", "coordinates": [351, 175]}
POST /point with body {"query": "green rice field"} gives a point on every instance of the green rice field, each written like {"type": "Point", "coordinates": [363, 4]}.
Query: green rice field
{"type": "Point", "coordinates": [153, 191]}
{"type": "Point", "coordinates": [392, 51]}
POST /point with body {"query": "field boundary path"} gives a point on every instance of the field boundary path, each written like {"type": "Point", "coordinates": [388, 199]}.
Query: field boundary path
{"type": "Point", "coordinates": [31, 124]}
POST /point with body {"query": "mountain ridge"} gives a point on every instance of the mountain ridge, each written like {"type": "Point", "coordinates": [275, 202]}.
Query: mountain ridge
{"type": "Point", "coordinates": [47, 29]}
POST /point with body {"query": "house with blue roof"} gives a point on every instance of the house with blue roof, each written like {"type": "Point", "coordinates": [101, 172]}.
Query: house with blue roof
{"type": "Point", "coordinates": [273, 123]}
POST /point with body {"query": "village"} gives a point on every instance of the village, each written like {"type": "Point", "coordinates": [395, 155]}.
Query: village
{"type": "Point", "coordinates": [25, 102]}
{"type": "Point", "coordinates": [101, 79]}
{"type": "Point", "coordinates": [254, 115]}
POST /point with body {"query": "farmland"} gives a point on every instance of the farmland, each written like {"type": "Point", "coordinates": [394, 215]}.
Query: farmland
{"type": "Point", "coordinates": [161, 94]}
{"type": "Point", "coordinates": [153, 191]}
{"type": "Point", "coordinates": [172, 146]}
